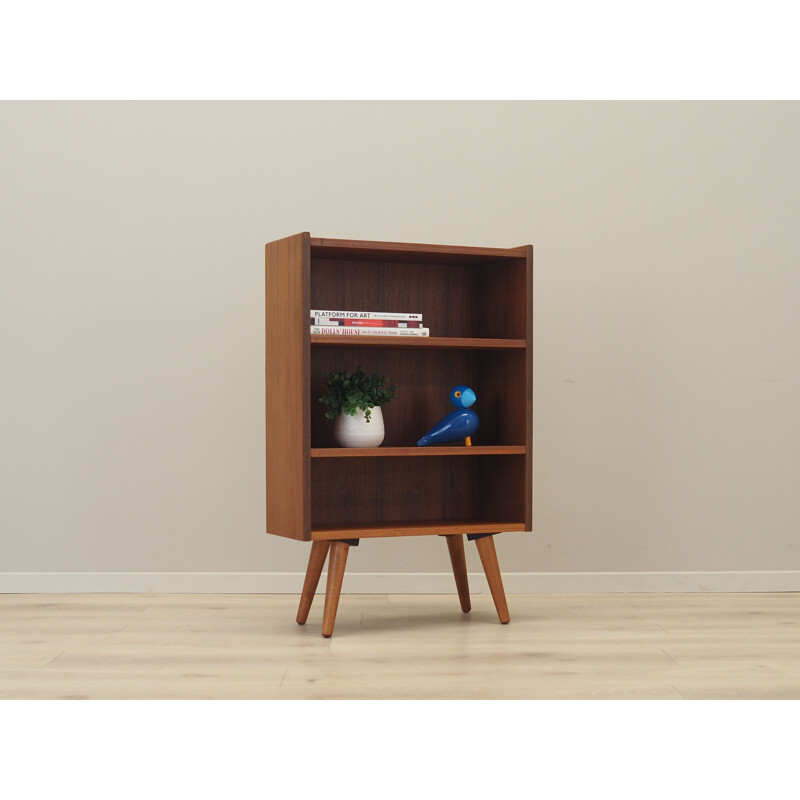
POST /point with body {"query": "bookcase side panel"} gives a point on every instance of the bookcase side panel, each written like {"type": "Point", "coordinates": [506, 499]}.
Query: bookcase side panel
{"type": "Point", "coordinates": [288, 437]}
{"type": "Point", "coordinates": [529, 381]}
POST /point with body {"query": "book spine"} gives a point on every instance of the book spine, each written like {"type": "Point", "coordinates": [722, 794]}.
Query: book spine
{"type": "Point", "coordinates": [357, 330]}
{"type": "Point", "coordinates": [368, 323]}
{"type": "Point", "coordinates": [366, 315]}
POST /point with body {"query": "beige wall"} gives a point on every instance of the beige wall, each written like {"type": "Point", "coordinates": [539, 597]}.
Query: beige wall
{"type": "Point", "coordinates": [667, 331]}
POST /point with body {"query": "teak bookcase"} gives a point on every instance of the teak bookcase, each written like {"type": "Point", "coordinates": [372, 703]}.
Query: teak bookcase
{"type": "Point", "coordinates": [478, 304]}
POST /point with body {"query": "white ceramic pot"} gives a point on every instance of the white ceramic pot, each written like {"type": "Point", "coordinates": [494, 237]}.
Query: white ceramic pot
{"type": "Point", "coordinates": [357, 432]}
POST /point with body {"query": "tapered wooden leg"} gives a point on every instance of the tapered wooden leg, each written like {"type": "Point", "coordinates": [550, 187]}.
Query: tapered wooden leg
{"type": "Point", "coordinates": [455, 544]}
{"type": "Point", "coordinates": [488, 556]}
{"type": "Point", "coordinates": [336, 566]}
{"type": "Point", "coordinates": [319, 552]}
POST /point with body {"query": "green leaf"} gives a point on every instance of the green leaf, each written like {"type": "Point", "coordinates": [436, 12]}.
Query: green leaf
{"type": "Point", "coordinates": [350, 391]}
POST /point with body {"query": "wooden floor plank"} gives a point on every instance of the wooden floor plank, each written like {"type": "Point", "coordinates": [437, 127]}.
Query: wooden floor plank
{"type": "Point", "coordinates": [610, 646]}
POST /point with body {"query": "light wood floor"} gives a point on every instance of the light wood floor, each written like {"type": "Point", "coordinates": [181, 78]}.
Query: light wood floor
{"type": "Point", "coordinates": [670, 646]}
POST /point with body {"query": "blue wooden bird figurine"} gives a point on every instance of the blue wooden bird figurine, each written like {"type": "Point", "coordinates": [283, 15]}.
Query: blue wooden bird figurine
{"type": "Point", "coordinates": [458, 424]}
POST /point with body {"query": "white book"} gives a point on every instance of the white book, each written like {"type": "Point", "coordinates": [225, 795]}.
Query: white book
{"type": "Point", "coordinates": [336, 330]}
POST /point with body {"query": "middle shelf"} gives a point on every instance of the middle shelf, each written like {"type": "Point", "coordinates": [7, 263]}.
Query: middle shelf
{"type": "Point", "coordinates": [459, 450]}
{"type": "Point", "coordinates": [424, 378]}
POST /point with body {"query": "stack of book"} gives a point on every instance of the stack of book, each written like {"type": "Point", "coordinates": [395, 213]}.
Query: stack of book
{"type": "Point", "coordinates": [367, 323]}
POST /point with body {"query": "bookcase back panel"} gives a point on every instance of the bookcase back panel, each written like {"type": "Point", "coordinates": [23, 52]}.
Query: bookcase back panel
{"type": "Point", "coordinates": [503, 299]}
{"type": "Point", "coordinates": [502, 488]}
{"type": "Point", "coordinates": [460, 300]}
{"type": "Point", "coordinates": [424, 379]}
{"type": "Point", "coordinates": [362, 491]}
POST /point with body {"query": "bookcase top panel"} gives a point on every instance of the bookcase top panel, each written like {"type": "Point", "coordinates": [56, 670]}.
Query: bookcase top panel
{"type": "Point", "coordinates": [410, 252]}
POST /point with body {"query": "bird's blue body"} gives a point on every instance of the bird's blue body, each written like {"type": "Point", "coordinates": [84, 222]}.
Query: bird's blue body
{"type": "Point", "coordinates": [457, 425]}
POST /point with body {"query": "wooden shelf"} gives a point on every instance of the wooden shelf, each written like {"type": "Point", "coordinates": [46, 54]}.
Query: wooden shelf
{"type": "Point", "coordinates": [411, 342]}
{"type": "Point", "coordinates": [372, 530]}
{"type": "Point", "coordinates": [372, 452]}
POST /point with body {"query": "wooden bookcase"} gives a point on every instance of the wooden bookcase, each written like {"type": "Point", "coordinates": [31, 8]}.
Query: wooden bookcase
{"type": "Point", "coordinates": [478, 304]}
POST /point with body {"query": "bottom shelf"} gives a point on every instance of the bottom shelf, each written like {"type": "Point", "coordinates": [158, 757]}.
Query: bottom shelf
{"type": "Point", "coordinates": [430, 527]}
{"type": "Point", "coordinates": [399, 496]}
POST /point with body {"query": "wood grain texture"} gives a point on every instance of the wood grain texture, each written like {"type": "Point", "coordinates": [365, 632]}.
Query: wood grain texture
{"type": "Point", "coordinates": [458, 560]}
{"type": "Point", "coordinates": [502, 488]}
{"type": "Point", "coordinates": [397, 491]}
{"type": "Point", "coordinates": [245, 646]}
{"type": "Point", "coordinates": [461, 301]}
{"type": "Point", "coordinates": [529, 386]}
{"type": "Point", "coordinates": [316, 561]}
{"type": "Point", "coordinates": [488, 554]}
{"type": "Point", "coordinates": [338, 562]}
{"type": "Point", "coordinates": [501, 403]}
{"type": "Point", "coordinates": [501, 289]}
{"type": "Point", "coordinates": [288, 432]}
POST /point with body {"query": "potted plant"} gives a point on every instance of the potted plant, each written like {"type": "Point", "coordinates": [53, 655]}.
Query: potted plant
{"type": "Point", "coordinates": [354, 400]}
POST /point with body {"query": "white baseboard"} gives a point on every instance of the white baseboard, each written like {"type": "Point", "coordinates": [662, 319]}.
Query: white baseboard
{"type": "Point", "coordinates": [397, 582]}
